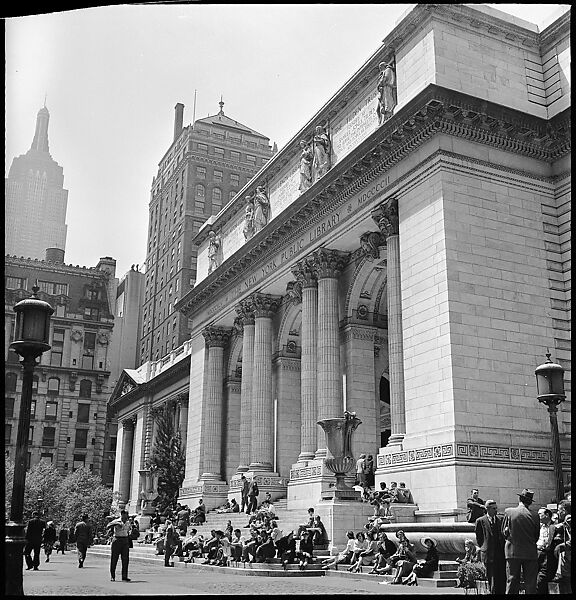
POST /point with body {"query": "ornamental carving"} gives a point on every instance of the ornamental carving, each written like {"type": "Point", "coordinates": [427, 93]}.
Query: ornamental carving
{"type": "Point", "coordinates": [103, 339]}
{"type": "Point", "coordinates": [386, 86]}
{"type": "Point", "coordinates": [129, 423]}
{"type": "Point", "coordinates": [214, 253]}
{"type": "Point", "coordinates": [245, 311]}
{"type": "Point", "coordinates": [76, 335]}
{"type": "Point", "coordinates": [328, 263]}
{"type": "Point", "coordinates": [369, 244]}
{"type": "Point", "coordinates": [265, 305]}
{"type": "Point", "coordinates": [294, 292]}
{"type": "Point", "coordinates": [386, 217]}
{"type": "Point", "coordinates": [127, 386]}
{"type": "Point", "coordinates": [217, 337]}
{"type": "Point", "coordinates": [304, 274]}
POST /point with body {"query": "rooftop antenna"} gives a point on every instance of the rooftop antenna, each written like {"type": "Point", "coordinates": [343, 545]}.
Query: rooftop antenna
{"type": "Point", "coordinates": [194, 111]}
{"type": "Point", "coordinates": [45, 95]}
{"type": "Point", "coordinates": [221, 103]}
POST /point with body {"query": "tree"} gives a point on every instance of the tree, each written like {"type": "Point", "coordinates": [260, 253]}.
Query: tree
{"type": "Point", "coordinates": [43, 481]}
{"type": "Point", "coordinates": [168, 457]}
{"type": "Point", "coordinates": [82, 493]}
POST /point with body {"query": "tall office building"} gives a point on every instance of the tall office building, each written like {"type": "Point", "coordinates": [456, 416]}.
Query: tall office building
{"type": "Point", "coordinates": [35, 210]}
{"type": "Point", "coordinates": [207, 163]}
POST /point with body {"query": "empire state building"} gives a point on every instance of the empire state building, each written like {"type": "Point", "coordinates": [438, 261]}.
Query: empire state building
{"type": "Point", "coordinates": [35, 210]}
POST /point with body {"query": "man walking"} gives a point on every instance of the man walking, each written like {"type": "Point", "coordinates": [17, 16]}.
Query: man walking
{"type": "Point", "coordinates": [34, 533]}
{"type": "Point", "coordinates": [120, 548]}
{"type": "Point", "coordinates": [490, 540]}
{"type": "Point", "coordinates": [63, 539]}
{"type": "Point", "coordinates": [244, 493]}
{"type": "Point", "coordinates": [83, 536]}
{"type": "Point", "coordinates": [521, 529]}
{"type": "Point", "coordinates": [253, 492]}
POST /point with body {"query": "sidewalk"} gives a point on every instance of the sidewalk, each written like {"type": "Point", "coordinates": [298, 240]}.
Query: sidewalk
{"type": "Point", "coordinates": [62, 577]}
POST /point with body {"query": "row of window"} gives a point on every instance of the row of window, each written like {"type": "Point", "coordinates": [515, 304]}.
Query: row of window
{"type": "Point", "coordinates": [51, 410]}
{"type": "Point", "coordinates": [217, 176]}
{"type": "Point", "coordinates": [232, 154]}
{"type": "Point", "coordinates": [21, 283]}
{"type": "Point", "coordinates": [49, 437]}
{"type": "Point", "coordinates": [79, 461]}
{"type": "Point", "coordinates": [11, 380]}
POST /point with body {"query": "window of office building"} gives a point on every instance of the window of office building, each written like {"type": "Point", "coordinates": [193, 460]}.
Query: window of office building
{"type": "Point", "coordinates": [81, 440]}
{"type": "Point", "coordinates": [46, 457]}
{"type": "Point", "coordinates": [200, 191]}
{"type": "Point", "coordinates": [91, 314]}
{"type": "Point", "coordinates": [85, 388]}
{"type": "Point", "coordinates": [202, 147]}
{"type": "Point", "coordinates": [10, 382]}
{"type": "Point", "coordinates": [49, 436]}
{"type": "Point", "coordinates": [53, 386]}
{"type": "Point", "coordinates": [251, 159]}
{"type": "Point", "coordinates": [7, 433]}
{"type": "Point", "coordinates": [57, 347]}
{"type": "Point", "coordinates": [16, 283]}
{"type": "Point", "coordinates": [83, 413]}
{"type": "Point", "coordinates": [219, 151]}
{"type": "Point", "coordinates": [231, 195]}
{"type": "Point", "coordinates": [216, 199]}
{"type": "Point", "coordinates": [218, 175]}
{"type": "Point", "coordinates": [30, 435]}
{"type": "Point", "coordinates": [9, 408]}
{"type": "Point", "coordinates": [51, 413]}
{"type": "Point", "coordinates": [89, 349]}
{"type": "Point", "coordinates": [234, 155]}
{"type": "Point", "coordinates": [79, 461]}
{"type": "Point", "coordinates": [234, 179]}
{"type": "Point", "coordinates": [201, 172]}
{"type": "Point", "coordinates": [53, 288]}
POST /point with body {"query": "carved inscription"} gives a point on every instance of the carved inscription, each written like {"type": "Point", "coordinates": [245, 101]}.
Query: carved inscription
{"type": "Point", "coordinates": [285, 191]}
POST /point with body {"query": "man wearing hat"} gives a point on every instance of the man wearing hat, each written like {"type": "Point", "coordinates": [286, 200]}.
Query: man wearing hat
{"type": "Point", "coordinates": [490, 540]}
{"type": "Point", "coordinates": [521, 529]}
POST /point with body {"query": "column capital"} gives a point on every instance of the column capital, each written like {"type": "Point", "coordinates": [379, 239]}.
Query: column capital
{"type": "Point", "coordinates": [216, 337]}
{"type": "Point", "coordinates": [370, 243]}
{"type": "Point", "coordinates": [328, 263]}
{"type": "Point", "coordinates": [304, 274]}
{"type": "Point", "coordinates": [129, 423]}
{"type": "Point", "coordinates": [385, 215]}
{"type": "Point", "coordinates": [245, 311]}
{"type": "Point", "coordinates": [265, 305]}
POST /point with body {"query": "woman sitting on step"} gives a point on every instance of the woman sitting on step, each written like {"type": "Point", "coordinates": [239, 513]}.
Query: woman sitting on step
{"type": "Point", "coordinates": [266, 550]}
{"type": "Point", "coordinates": [360, 544]}
{"type": "Point", "coordinates": [386, 549]}
{"type": "Point", "coordinates": [367, 556]}
{"type": "Point", "coordinates": [344, 557]}
{"type": "Point", "coordinates": [403, 560]}
{"type": "Point", "coordinates": [286, 548]}
{"type": "Point", "coordinates": [426, 567]}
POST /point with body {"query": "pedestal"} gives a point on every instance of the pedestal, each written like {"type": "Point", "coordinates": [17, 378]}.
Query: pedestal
{"type": "Point", "coordinates": [267, 482]}
{"type": "Point", "coordinates": [213, 493]}
{"type": "Point", "coordinates": [144, 522]}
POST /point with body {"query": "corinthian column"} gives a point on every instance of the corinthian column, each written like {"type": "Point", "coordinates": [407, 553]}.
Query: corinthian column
{"type": "Point", "coordinates": [308, 362]}
{"type": "Point", "coordinates": [386, 216]}
{"type": "Point", "coordinates": [126, 458]}
{"type": "Point", "coordinates": [216, 339]}
{"type": "Point", "coordinates": [262, 414]}
{"type": "Point", "coordinates": [327, 266]}
{"type": "Point", "coordinates": [246, 314]}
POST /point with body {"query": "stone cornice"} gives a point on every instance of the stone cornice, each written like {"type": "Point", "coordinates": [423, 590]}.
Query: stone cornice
{"type": "Point", "coordinates": [435, 110]}
{"type": "Point", "coordinates": [555, 31]}
{"type": "Point", "coordinates": [35, 263]}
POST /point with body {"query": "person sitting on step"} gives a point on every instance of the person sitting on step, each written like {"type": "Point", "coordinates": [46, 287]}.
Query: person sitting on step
{"type": "Point", "coordinates": [211, 547]}
{"type": "Point", "coordinates": [360, 544]}
{"type": "Point", "coordinates": [304, 526]}
{"type": "Point", "coordinates": [318, 531]}
{"type": "Point", "coordinates": [344, 557]}
{"type": "Point", "coordinates": [386, 549]}
{"type": "Point", "coordinates": [266, 550]}
{"type": "Point", "coordinates": [367, 556]}
{"type": "Point", "coordinates": [404, 494]}
{"type": "Point", "coordinates": [426, 567]}
{"type": "Point", "coordinates": [305, 553]}
{"type": "Point", "coordinates": [286, 548]}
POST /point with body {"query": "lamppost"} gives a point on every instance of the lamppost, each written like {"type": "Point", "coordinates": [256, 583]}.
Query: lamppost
{"type": "Point", "coordinates": [30, 341]}
{"type": "Point", "coordinates": [550, 385]}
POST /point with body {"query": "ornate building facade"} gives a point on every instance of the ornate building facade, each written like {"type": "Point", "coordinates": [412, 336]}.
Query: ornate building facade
{"type": "Point", "coordinates": [205, 166]}
{"type": "Point", "coordinates": [413, 270]}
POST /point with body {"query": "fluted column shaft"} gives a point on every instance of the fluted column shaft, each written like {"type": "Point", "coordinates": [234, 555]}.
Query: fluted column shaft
{"type": "Point", "coordinates": [216, 339]}
{"type": "Point", "coordinates": [183, 421]}
{"type": "Point", "coordinates": [247, 316]}
{"type": "Point", "coordinates": [328, 265]}
{"type": "Point", "coordinates": [386, 216]}
{"type": "Point", "coordinates": [308, 371]}
{"type": "Point", "coordinates": [126, 459]}
{"type": "Point", "coordinates": [262, 414]}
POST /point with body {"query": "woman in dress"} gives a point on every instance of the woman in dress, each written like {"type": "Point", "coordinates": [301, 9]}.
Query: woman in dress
{"type": "Point", "coordinates": [261, 209]}
{"type": "Point", "coordinates": [426, 567]}
{"type": "Point", "coordinates": [306, 158]}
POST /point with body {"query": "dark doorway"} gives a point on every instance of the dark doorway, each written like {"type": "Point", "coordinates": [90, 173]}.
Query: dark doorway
{"type": "Point", "coordinates": [384, 397]}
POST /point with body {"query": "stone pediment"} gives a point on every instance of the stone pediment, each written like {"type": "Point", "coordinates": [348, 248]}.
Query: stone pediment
{"type": "Point", "coordinates": [125, 385]}
{"type": "Point", "coordinates": [435, 110]}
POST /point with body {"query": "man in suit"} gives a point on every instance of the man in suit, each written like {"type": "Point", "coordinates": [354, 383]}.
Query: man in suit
{"type": "Point", "coordinates": [547, 562]}
{"type": "Point", "coordinates": [34, 532]}
{"type": "Point", "coordinates": [491, 543]}
{"type": "Point", "coordinates": [521, 529]}
{"type": "Point", "coordinates": [475, 506]}
{"type": "Point", "coordinates": [244, 493]}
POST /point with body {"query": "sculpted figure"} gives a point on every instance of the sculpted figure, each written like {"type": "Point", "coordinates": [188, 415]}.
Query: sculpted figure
{"type": "Point", "coordinates": [386, 92]}
{"type": "Point", "coordinates": [248, 229]}
{"type": "Point", "coordinates": [306, 159]}
{"type": "Point", "coordinates": [321, 162]}
{"type": "Point", "coordinates": [261, 209]}
{"type": "Point", "coordinates": [213, 248]}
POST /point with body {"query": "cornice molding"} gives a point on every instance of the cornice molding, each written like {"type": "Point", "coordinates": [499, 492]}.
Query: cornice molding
{"type": "Point", "coordinates": [435, 110]}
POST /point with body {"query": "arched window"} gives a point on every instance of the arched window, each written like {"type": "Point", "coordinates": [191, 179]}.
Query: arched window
{"type": "Point", "coordinates": [53, 385]}
{"type": "Point", "coordinates": [199, 191]}
{"type": "Point", "coordinates": [10, 383]}
{"type": "Point", "coordinates": [85, 388]}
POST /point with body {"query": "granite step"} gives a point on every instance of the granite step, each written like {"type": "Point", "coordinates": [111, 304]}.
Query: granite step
{"type": "Point", "coordinates": [435, 582]}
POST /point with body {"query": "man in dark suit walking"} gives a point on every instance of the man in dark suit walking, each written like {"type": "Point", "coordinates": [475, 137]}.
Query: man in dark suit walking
{"type": "Point", "coordinates": [491, 543]}
{"type": "Point", "coordinates": [521, 528]}
{"type": "Point", "coordinates": [34, 531]}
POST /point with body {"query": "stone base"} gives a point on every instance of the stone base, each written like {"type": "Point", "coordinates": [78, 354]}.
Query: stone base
{"type": "Point", "coordinates": [213, 493]}
{"type": "Point", "coordinates": [144, 522]}
{"type": "Point", "coordinates": [267, 482]}
{"type": "Point", "coordinates": [334, 494]}
{"type": "Point", "coordinates": [339, 516]}
{"type": "Point", "coordinates": [456, 515]}
{"type": "Point", "coordinates": [309, 482]}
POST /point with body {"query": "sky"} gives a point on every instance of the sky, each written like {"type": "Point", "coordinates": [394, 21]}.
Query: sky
{"type": "Point", "coordinates": [111, 76]}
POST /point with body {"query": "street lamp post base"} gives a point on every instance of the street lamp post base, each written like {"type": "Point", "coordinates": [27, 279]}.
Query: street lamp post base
{"type": "Point", "coordinates": [13, 558]}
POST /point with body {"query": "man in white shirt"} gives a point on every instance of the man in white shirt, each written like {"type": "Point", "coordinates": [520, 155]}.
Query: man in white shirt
{"type": "Point", "coordinates": [120, 548]}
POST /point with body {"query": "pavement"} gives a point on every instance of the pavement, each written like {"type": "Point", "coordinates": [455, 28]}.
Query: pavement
{"type": "Point", "coordinates": [62, 577]}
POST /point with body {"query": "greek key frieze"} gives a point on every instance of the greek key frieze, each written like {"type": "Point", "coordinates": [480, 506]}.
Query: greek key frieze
{"type": "Point", "coordinates": [305, 472]}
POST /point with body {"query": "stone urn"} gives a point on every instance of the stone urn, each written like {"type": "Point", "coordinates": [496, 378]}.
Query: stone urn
{"type": "Point", "coordinates": [338, 432]}
{"type": "Point", "coordinates": [148, 493]}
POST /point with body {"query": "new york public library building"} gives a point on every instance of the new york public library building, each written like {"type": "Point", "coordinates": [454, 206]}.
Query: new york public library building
{"type": "Point", "coordinates": [415, 274]}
